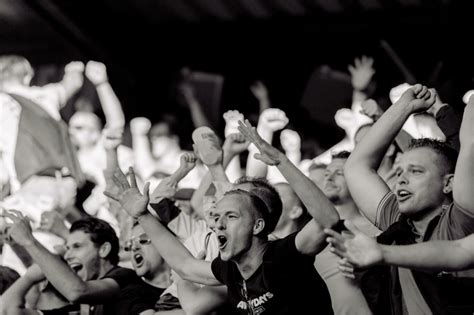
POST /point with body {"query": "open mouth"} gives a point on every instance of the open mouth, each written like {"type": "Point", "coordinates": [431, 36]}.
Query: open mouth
{"type": "Point", "coordinates": [138, 259]}
{"type": "Point", "coordinates": [222, 241]}
{"type": "Point", "coordinates": [403, 195]}
{"type": "Point", "coordinates": [76, 267]}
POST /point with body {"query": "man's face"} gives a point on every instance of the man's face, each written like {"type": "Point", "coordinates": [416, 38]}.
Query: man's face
{"type": "Point", "coordinates": [145, 258]}
{"type": "Point", "coordinates": [82, 255]}
{"type": "Point", "coordinates": [84, 129]}
{"type": "Point", "coordinates": [234, 226]}
{"type": "Point", "coordinates": [335, 187]}
{"type": "Point", "coordinates": [419, 184]}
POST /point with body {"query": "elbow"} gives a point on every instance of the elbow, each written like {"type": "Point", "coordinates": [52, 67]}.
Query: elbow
{"type": "Point", "coordinates": [76, 296]}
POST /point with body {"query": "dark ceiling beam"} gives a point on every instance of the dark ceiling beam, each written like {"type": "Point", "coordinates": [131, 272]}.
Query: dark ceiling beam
{"type": "Point", "coordinates": [65, 27]}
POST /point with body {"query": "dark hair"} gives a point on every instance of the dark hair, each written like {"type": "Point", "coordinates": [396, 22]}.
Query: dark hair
{"type": "Point", "coordinates": [441, 148]}
{"type": "Point", "coordinates": [341, 155]}
{"type": "Point", "coordinates": [7, 277]}
{"type": "Point", "coordinates": [100, 232]}
{"type": "Point", "coordinates": [269, 195]}
{"type": "Point", "coordinates": [259, 205]}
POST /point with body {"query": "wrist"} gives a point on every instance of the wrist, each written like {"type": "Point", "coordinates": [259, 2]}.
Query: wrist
{"type": "Point", "coordinates": [101, 83]}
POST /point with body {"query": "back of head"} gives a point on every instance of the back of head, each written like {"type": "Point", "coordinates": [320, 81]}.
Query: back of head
{"type": "Point", "coordinates": [100, 232]}
{"type": "Point", "coordinates": [268, 194]}
{"type": "Point", "coordinates": [15, 68]}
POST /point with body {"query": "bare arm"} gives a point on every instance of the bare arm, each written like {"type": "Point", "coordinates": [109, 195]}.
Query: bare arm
{"type": "Point", "coordinates": [97, 74]}
{"type": "Point", "coordinates": [57, 271]}
{"type": "Point", "coordinates": [464, 174]}
{"type": "Point", "coordinates": [144, 162]}
{"type": "Point", "coordinates": [363, 163]}
{"type": "Point", "coordinates": [197, 114]}
{"type": "Point", "coordinates": [310, 239]}
{"type": "Point", "coordinates": [175, 254]}
{"type": "Point", "coordinates": [364, 251]}
{"type": "Point", "coordinates": [72, 80]}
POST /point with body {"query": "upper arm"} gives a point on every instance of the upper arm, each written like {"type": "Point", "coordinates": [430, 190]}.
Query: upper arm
{"type": "Point", "coordinates": [198, 271]}
{"type": "Point", "coordinates": [311, 239]}
{"type": "Point", "coordinates": [95, 291]}
{"type": "Point", "coordinates": [205, 300]}
{"type": "Point", "coordinates": [367, 188]}
{"type": "Point", "coordinates": [464, 178]}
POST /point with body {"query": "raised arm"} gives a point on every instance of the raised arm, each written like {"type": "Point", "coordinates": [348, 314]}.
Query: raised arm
{"type": "Point", "coordinates": [464, 174]}
{"type": "Point", "coordinates": [72, 80]}
{"type": "Point", "coordinates": [68, 283]}
{"type": "Point", "coordinates": [363, 251]}
{"type": "Point", "coordinates": [97, 74]}
{"type": "Point", "coordinates": [174, 253]}
{"type": "Point", "coordinates": [12, 300]}
{"type": "Point", "coordinates": [361, 75]}
{"type": "Point", "coordinates": [144, 162]}
{"type": "Point", "coordinates": [259, 90]}
{"type": "Point", "coordinates": [311, 239]}
{"type": "Point", "coordinates": [361, 168]}
{"type": "Point", "coordinates": [270, 121]}
{"type": "Point", "coordinates": [197, 114]}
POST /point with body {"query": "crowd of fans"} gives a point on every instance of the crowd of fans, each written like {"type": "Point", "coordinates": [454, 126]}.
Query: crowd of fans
{"type": "Point", "coordinates": [382, 223]}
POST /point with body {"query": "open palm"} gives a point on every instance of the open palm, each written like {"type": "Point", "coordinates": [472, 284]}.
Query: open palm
{"type": "Point", "coordinates": [128, 195]}
{"type": "Point", "coordinates": [268, 154]}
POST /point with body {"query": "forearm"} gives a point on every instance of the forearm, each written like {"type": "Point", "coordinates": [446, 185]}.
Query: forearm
{"type": "Point", "coordinates": [57, 271]}
{"type": "Point", "coordinates": [371, 150]}
{"type": "Point", "coordinates": [111, 106]}
{"type": "Point", "coordinates": [197, 114]}
{"type": "Point", "coordinates": [464, 176]}
{"type": "Point", "coordinates": [256, 168]}
{"type": "Point", "coordinates": [432, 256]}
{"type": "Point", "coordinates": [144, 161]}
{"type": "Point", "coordinates": [173, 252]}
{"type": "Point", "coordinates": [15, 295]}
{"type": "Point", "coordinates": [234, 170]}
{"type": "Point", "coordinates": [319, 207]}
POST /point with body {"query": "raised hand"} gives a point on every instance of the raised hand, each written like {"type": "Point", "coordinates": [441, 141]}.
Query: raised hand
{"type": "Point", "coordinates": [140, 126]}
{"type": "Point", "coordinates": [187, 162]}
{"type": "Point", "coordinates": [112, 138]}
{"type": "Point", "coordinates": [418, 98]}
{"type": "Point", "coordinates": [19, 229]}
{"type": "Point", "coordinates": [235, 144]}
{"type": "Point", "coordinates": [259, 90]}
{"type": "Point", "coordinates": [272, 119]}
{"type": "Point", "coordinates": [232, 118]}
{"type": "Point", "coordinates": [371, 109]}
{"type": "Point", "coordinates": [290, 140]}
{"type": "Point", "coordinates": [355, 247]}
{"type": "Point", "coordinates": [74, 66]}
{"type": "Point", "coordinates": [206, 146]}
{"type": "Point", "coordinates": [361, 72]}
{"type": "Point", "coordinates": [128, 195]}
{"type": "Point", "coordinates": [96, 72]}
{"type": "Point", "coordinates": [268, 154]}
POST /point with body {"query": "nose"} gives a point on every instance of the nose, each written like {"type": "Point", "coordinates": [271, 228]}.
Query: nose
{"type": "Point", "coordinates": [67, 254]}
{"type": "Point", "coordinates": [220, 223]}
{"type": "Point", "coordinates": [402, 178]}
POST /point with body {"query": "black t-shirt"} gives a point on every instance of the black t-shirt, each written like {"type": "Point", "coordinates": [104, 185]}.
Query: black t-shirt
{"type": "Point", "coordinates": [285, 283]}
{"type": "Point", "coordinates": [124, 302]}
{"type": "Point", "coordinates": [142, 297]}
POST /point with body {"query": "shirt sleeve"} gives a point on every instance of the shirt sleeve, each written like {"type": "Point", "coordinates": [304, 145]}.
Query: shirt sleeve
{"type": "Point", "coordinates": [220, 269]}
{"type": "Point", "coordinates": [387, 211]}
{"type": "Point", "coordinates": [455, 223]}
{"type": "Point", "coordinates": [123, 276]}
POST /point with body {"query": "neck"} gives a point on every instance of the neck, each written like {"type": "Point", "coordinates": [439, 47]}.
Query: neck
{"type": "Point", "coordinates": [161, 278]}
{"type": "Point", "coordinates": [347, 210]}
{"type": "Point", "coordinates": [249, 262]}
{"type": "Point", "coordinates": [105, 266]}
{"type": "Point", "coordinates": [421, 222]}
